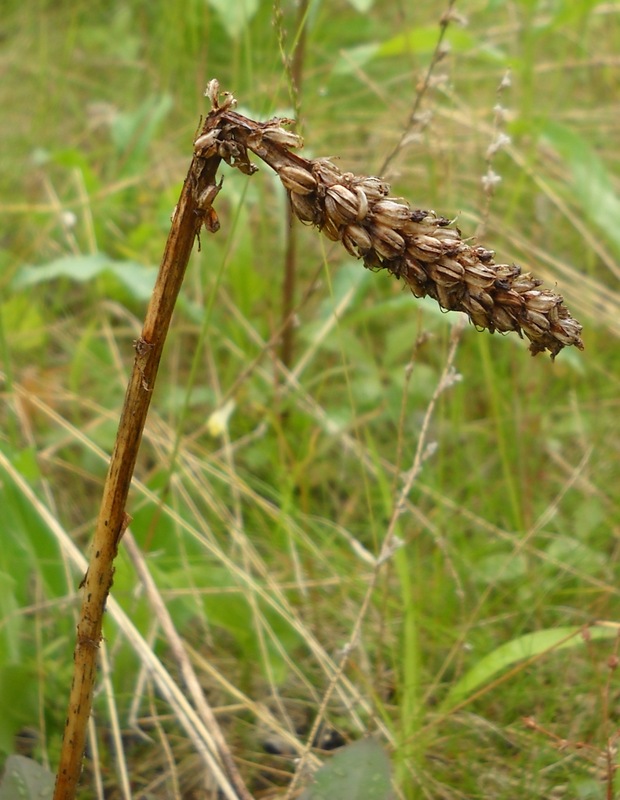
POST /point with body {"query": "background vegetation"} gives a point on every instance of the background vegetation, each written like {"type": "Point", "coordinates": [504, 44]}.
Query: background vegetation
{"type": "Point", "coordinates": [264, 492]}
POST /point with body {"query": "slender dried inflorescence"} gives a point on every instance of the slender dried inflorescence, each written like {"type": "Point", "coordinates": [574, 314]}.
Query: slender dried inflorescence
{"type": "Point", "coordinates": [424, 249]}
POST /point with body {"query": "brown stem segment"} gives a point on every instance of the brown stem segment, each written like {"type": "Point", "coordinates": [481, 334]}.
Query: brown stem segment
{"type": "Point", "coordinates": [193, 211]}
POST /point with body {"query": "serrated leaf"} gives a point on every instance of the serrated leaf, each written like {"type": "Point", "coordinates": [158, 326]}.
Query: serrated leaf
{"type": "Point", "coordinates": [234, 16]}
{"type": "Point", "coordinates": [360, 771]}
{"type": "Point", "coordinates": [24, 779]}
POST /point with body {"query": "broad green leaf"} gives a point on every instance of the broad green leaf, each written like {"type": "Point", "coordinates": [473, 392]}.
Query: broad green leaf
{"type": "Point", "coordinates": [137, 278]}
{"type": "Point", "coordinates": [360, 771]}
{"type": "Point", "coordinates": [525, 647]}
{"type": "Point", "coordinates": [234, 16]}
{"type": "Point", "coordinates": [422, 41]}
{"type": "Point", "coordinates": [25, 779]}
{"type": "Point", "coordinates": [593, 190]}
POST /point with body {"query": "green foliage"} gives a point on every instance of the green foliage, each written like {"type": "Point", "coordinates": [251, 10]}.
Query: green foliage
{"type": "Point", "coordinates": [360, 771]}
{"type": "Point", "coordinates": [24, 779]}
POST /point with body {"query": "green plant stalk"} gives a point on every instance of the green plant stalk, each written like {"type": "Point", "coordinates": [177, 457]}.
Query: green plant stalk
{"type": "Point", "coordinates": [192, 212]}
{"type": "Point", "coordinates": [409, 751]}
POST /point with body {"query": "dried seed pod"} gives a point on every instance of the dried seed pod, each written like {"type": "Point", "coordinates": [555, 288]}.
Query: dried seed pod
{"type": "Point", "coordinates": [503, 320]}
{"type": "Point", "coordinates": [362, 204]}
{"type": "Point", "coordinates": [485, 300]}
{"type": "Point", "coordinates": [331, 230]}
{"type": "Point", "coordinates": [525, 283]}
{"type": "Point", "coordinates": [568, 332]}
{"type": "Point", "coordinates": [341, 204]}
{"type": "Point", "coordinates": [297, 179]}
{"type": "Point", "coordinates": [508, 298]}
{"type": "Point", "coordinates": [305, 207]}
{"type": "Point", "coordinates": [480, 276]}
{"type": "Point", "coordinates": [451, 269]}
{"type": "Point", "coordinates": [373, 188]}
{"type": "Point", "coordinates": [386, 241]}
{"type": "Point", "coordinates": [425, 248]}
{"type": "Point", "coordinates": [538, 319]}
{"type": "Point", "coordinates": [326, 172]}
{"type": "Point", "coordinates": [388, 212]}
{"type": "Point", "coordinates": [541, 301]}
{"type": "Point", "coordinates": [282, 136]}
{"type": "Point", "coordinates": [357, 240]}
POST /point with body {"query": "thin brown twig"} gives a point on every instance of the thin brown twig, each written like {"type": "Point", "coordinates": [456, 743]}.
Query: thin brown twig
{"type": "Point", "coordinates": [421, 90]}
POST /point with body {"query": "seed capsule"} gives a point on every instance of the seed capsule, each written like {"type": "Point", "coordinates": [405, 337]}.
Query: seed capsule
{"type": "Point", "coordinates": [305, 207]}
{"type": "Point", "coordinates": [283, 137]}
{"type": "Point", "coordinates": [425, 248]}
{"type": "Point", "coordinates": [480, 276]}
{"type": "Point", "coordinates": [357, 240]}
{"type": "Point", "coordinates": [373, 188]}
{"type": "Point", "coordinates": [537, 319]}
{"type": "Point", "coordinates": [297, 180]}
{"type": "Point", "coordinates": [331, 230]}
{"type": "Point", "coordinates": [541, 301]}
{"type": "Point", "coordinates": [341, 204]}
{"type": "Point", "coordinates": [387, 212]}
{"type": "Point", "coordinates": [450, 269]}
{"type": "Point", "coordinates": [326, 172]}
{"type": "Point", "coordinates": [362, 204]}
{"type": "Point", "coordinates": [502, 320]}
{"type": "Point", "coordinates": [387, 242]}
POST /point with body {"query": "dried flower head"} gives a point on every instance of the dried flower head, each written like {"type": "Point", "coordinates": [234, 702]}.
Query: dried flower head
{"type": "Point", "coordinates": [424, 249]}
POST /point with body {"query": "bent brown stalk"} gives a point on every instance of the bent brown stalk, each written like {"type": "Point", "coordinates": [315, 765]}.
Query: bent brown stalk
{"type": "Point", "coordinates": [424, 249]}
{"type": "Point", "coordinates": [192, 212]}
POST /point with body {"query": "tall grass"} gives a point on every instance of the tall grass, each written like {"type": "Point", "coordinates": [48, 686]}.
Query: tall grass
{"type": "Point", "coordinates": [261, 529]}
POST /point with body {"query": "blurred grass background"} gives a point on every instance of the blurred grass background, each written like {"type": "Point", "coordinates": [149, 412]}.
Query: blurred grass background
{"type": "Point", "coordinates": [261, 528]}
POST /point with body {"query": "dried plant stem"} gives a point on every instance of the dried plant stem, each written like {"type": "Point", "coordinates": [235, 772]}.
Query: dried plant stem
{"type": "Point", "coordinates": [193, 210]}
{"type": "Point", "coordinates": [422, 89]}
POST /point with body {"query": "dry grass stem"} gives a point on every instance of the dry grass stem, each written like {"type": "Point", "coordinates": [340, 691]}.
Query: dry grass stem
{"type": "Point", "coordinates": [424, 249]}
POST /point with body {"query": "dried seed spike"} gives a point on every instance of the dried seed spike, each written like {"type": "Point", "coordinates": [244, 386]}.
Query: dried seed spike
{"type": "Point", "coordinates": [425, 249]}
